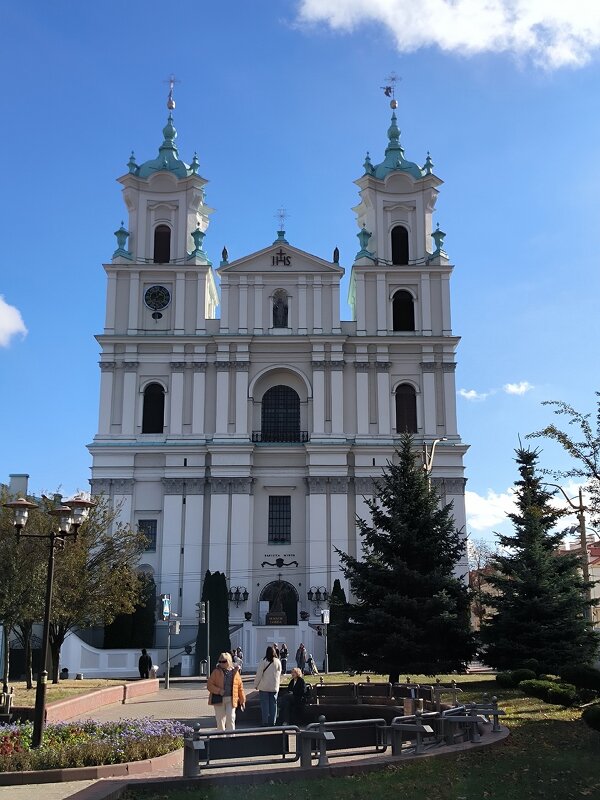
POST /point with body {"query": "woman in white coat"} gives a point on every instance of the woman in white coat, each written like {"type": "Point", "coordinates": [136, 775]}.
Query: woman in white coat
{"type": "Point", "coordinates": [266, 681]}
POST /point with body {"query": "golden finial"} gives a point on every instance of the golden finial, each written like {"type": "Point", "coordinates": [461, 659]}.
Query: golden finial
{"type": "Point", "coordinates": [390, 89]}
{"type": "Point", "coordinates": [171, 80]}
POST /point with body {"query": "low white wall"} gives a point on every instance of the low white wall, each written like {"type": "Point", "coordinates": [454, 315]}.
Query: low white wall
{"type": "Point", "coordinates": [77, 656]}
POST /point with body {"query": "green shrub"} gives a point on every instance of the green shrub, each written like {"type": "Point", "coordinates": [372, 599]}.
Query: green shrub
{"type": "Point", "coordinates": [519, 675]}
{"type": "Point", "coordinates": [505, 679]}
{"type": "Point", "coordinates": [591, 717]}
{"type": "Point", "coordinates": [562, 694]}
{"type": "Point", "coordinates": [582, 676]}
{"type": "Point", "coordinates": [546, 677]}
{"type": "Point", "coordinates": [533, 664]}
{"type": "Point", "coordinates": [537, 688]}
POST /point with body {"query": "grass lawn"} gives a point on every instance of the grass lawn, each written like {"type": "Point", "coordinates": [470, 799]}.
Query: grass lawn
{"type": "Point", "coordinates": [59, 691]}
{"type": "Point", "coordinates": [549, 754]}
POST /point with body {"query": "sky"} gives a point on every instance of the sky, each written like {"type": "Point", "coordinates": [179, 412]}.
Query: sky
{"type": "Point", "coordinates": [281, 101]}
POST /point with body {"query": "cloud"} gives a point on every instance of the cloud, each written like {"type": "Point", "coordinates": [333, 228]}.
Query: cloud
{"type": "Point", "coordinates": [471, 394]}
{"type": "Point", "coordinates": [552, 34]}
{"type": "Point", "coordinates": [11, 323]}
{"type": "Point", "coordinates": [517, 388]}
{"type": "Point", "coordinates": [485, 512]}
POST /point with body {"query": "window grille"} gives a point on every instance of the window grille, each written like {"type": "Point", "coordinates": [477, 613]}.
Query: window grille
{"type": "Point", "coordinates": [280, 415]}
{"type": "Point", "coordinates": [280, 519]}
{"type": "Point", "coordinates": [148, 528]}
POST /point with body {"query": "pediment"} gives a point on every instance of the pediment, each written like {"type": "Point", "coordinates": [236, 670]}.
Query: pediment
{"type": "Point", "coordinates": [281, 258]}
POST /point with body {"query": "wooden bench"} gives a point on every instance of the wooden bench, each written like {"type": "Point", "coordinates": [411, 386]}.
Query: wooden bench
{"type": "Point", "coordinates": [374, 692]}
{"type": "Point", "coordinates": [340, 738]}
{"type": "Point", "coordinates": [335, 693]}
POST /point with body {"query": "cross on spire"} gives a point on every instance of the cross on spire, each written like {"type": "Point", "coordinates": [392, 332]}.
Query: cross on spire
{"type": "Point", "coordinates": [282, 215]}
{"type": "Point", "coordinates": [171, 80]}
{"type": "Point", "coordinates": [389, 89]}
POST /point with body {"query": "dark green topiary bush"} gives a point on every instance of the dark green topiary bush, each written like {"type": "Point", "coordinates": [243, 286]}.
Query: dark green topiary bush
{"type": "Point", "coordinates": [533, 664]}
{"type": "Point", "coordinates": [519, 675]}
{"type": "Point", "coordinates": [582, 676]}
{"type": "Point", "coordinates": [537, 688]}
{"type": "Point", "coordinates": [591, 717]}
{"type": "Point", "coordinates": [505, 679]}
{"type": "Point", "coordinates": [562, 694]}
{"type": "Point", "coordinates": [553, 678]}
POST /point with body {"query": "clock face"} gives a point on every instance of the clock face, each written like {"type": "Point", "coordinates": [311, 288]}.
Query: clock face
{"type": "Point", "coordinates": [157, 297]}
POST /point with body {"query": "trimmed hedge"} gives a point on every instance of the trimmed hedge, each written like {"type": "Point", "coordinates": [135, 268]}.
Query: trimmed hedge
{"type": "Point", "coordinates": [505, 679]}
{"type": "Point", "coordinates": [582, 676]}
{"type": "Point", "coordinates": [561, 694]}
{"type": "Point", "coordinates": [519, 675]}
{"type": "Point", "coordinates": [537, 688]}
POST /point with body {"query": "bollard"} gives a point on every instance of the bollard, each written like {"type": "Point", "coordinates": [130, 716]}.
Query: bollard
{"type": "Point", "coordinates": [438, 696]}
{"type": "Point", "coordinates": [191, 753]}
{"type": "Point", "coordinates": [323, 760]}
{"type": "Point", "coordinates": [454, 694]}
{"type": "Point", "coordinates": [496, 726]}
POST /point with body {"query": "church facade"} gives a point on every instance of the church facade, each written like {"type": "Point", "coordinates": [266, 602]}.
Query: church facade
{"type": "Point", "coordinates": [246, 441]}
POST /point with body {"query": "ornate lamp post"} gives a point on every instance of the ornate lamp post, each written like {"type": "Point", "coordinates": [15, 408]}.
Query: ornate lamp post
{"type": "Point", "coordinates": [238, 595]}
{"type": "Point", "coordinates": [317, 595]}
{"type": "Point", "coordinates": [69, 519]}
{"type": "Point", "coordinates": [428, 455]}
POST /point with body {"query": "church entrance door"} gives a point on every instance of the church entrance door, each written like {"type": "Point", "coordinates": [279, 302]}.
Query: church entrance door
{"type": "Point", "coordinates": [283, 603]}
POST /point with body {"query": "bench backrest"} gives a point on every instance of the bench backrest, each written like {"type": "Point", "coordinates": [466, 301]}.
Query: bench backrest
{"type": "Point", "coordinates": [335, 690]}
{"type": "Point", "coordinates": [374, 690]}
{"type": "Point", "coordinates": [355, 735]}
{"type": "Point", "coordinates": [244, 746]}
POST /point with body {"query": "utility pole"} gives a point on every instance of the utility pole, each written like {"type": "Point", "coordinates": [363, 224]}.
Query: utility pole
{"type": "Point", "coordinates": [205, 619]}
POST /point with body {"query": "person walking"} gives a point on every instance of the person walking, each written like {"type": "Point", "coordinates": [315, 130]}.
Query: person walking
{"type": "Point", "coordinates": [144, 664]}
{"type": "Point", "coordinates": [283, 657]}
{"type": "Point", "coordinates": [301, 658]}
{"type": "Point", "coordinates": [226, 692]}
{"type": "Point", "coordinates": [266, 680]}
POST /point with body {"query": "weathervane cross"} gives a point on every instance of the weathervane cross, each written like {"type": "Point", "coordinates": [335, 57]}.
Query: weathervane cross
{"type": "Point", "coordinates": [389, 89]}
{"type": "Point", "coordinates": [171, 80]}
{"type": "Point", "coordinates": [282, 215]}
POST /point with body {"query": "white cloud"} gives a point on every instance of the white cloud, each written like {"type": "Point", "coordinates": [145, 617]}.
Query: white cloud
{"type": "Point", "coordinates": [517, 388]}
{"type": "Point", "coordinates": [485, 512]}
{"type": "Point", "coordinates": [471, 394]}
{"type": "Point", "coordinates": [553, 34]}
{"type": "Point", "coordinates": [11, 323]}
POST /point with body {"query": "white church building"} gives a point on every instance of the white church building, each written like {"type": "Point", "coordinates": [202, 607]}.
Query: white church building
{"type": "Point", "coordinates": [242, 429]}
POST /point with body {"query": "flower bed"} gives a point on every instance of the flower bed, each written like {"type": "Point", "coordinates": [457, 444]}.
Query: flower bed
{"type": "Point", "coordinates": [89, 743]}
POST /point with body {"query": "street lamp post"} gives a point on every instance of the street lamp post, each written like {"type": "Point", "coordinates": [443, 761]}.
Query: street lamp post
{"type": "Point", "coordinates": [579, 510]}
{"type": "Point", "coordinates": [70, 518]}
{"type": "Point", "coordinates": [428, 456]}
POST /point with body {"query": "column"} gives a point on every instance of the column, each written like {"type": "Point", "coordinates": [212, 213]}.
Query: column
{"type": "Point", "coordinates": [176, 404]}
{"type": "Point", "coordinates": [359, 304]}
{"type": "Point", "coordinates": [337, 396]}
{"type": "Point", "coordinates": [220, 524]}
{"type": "Point", "coordinates": [224, 305]}
{"type": "Point", "coordinates": [201, 304]}
{"type": "Point", "coordinates": [448, 369]}
{"type": "Point", "coordinates": [338, 498]}
{"type": "Point", "coordinates": [429, 404]}
{"type": "Point", "coordinates": [241, 397]}
{"type": "Point", "coordinates": [180, 303]}
{"type": "Point", "coordinates": [335, 311]}
{"type": "Point", "coordinates": [172, 535]}
{"type": "Point", "coordinates": [317, 305]}
{"type": "Point", "coordinates": [362, 396]}
{"type": "Point", "coordinates": [318, 397]}
{"type": "Point", "coordinates": [122, 498]}
{"type": "Point", "coordinates": [240, 550]}
{"type": "Point", "coordinates": [302, 324]}
{"type": "Point", "coordinates": [134, 296]}
{"type": "Point", "coordinates": [198, 397]}
{"type": "Point", "coordinates": [221, 427]}
{"type": "Point", "coordinates": [258, 305]}
{"type": "Point", "coordinates": [383, 397]}
{"type": "Point", "coordinates": [107, 371]}
{"type": "Point", "coordinates": [382, 305]}
{"type": "Point", "coordinates": [446, 318]}
{"type": "Point", "coordinates": [316, 530]}
{"type": "Point", "coordinates": [193, 570]}
{"type": "Point", "coordinates": [364, 491]}
{"type": "Point", "coordinates": [425, 304]}
{"type": "Point", "coordinates": [111, 303]}
{"type": "Point", "coordinates": [129, 397]}
{"type": "Point", "coordinates": [243, 301]}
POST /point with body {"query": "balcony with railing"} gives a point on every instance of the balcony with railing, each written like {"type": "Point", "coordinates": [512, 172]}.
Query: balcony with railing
{"type": "Point", "coordinates": [280, 437]}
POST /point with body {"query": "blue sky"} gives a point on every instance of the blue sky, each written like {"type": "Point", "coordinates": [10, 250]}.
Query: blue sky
{"type": "Point", "coordinates": [281, 101]}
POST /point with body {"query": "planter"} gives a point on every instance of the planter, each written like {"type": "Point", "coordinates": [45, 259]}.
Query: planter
{"type": "Point", "coordinates": [247, 616]}
{"type": "Point", "coordinates": [304, 615]}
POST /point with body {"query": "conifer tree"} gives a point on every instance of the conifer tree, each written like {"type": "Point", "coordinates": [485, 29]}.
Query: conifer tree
{"type": "Point", "coordinates": [338, 619]}
{"type": "Point", "coordinates": [214, 591]}
{"type": "Point", "coordinates": [411, 612]}
{"type": "Point", "coordinates": [539, 601]}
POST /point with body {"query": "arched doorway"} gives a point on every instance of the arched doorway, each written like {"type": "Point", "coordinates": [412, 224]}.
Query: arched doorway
{"type": "Point", "coordinates": [282, 597]}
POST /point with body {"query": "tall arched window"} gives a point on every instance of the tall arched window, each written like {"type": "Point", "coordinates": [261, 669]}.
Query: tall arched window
{"type": "Point", "coordinates": [399, 245]}
{"type": "Point", "coordinates": [280, 415]}
{"type": "Point", "coordinates": [406, 409]}
{"type": "Point", "coordinates": [403, 311]}
{"type": "Point", "coordinates": [162, 244]}
{"type": "Point", "coordinates": [280, 309]}
{"type": "Point", "coordinates": [153, 417]}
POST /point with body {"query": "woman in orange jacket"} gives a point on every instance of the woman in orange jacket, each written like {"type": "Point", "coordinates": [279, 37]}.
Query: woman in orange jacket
{"type": "Point", "coordinates": [226, 692]}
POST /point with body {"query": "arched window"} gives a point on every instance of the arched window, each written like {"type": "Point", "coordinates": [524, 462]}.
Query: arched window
{"type": "Point", "coordinates": [399, 245]}
{"type": "Point", "coordinates": [406, 409]}
{"type": "Point", "coordinates": [153, 418]}
{"type": "Point", "coordinates": [280, 309]}
{"type": "Point", "coordinates": [280, 415]}
{"type": "Point", "coordinates": [162, 244]}
{"type": "Point", "coordinates": [403, 311]}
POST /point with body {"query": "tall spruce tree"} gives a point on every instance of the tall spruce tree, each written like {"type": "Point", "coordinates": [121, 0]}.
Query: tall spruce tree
{"type": "Point", "coordinates": [338, 619]}
{"type": "Point", "coordinates": [539, 601]}
{"type": "Point", "coordinates": [411, 612]}
{"type": "Point", "coordinates": [214, 591]}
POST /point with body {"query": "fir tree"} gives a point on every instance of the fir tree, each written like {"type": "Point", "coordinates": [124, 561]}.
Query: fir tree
{"type": "Point", "coordinates": [411, 612]}
{"type": "Point", "coordinates": [338, 620]}
{"type": "Point", "coordinates": [214, 591]}
{"type": "Point", "coordinates": [539, 602]}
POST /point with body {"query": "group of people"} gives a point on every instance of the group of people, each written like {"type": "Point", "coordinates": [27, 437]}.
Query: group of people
{"type": "Point", "coordinates": [226, 690]}
{"type": "Point", "coordinates": [305, 662]}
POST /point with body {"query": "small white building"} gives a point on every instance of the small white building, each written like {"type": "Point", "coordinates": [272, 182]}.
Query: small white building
{"type": "Point", "coordinates": [247, 443]}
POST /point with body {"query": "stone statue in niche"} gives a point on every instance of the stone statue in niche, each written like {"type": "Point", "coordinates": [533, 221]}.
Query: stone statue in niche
{"type": "Point", "coordinates": [280, 310]}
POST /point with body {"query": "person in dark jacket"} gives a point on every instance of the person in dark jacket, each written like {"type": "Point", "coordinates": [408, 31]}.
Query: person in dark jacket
{"type": "Point", "coordinates": [145, 664]}
{"type": "Point", "coordinates": [291, 702]}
